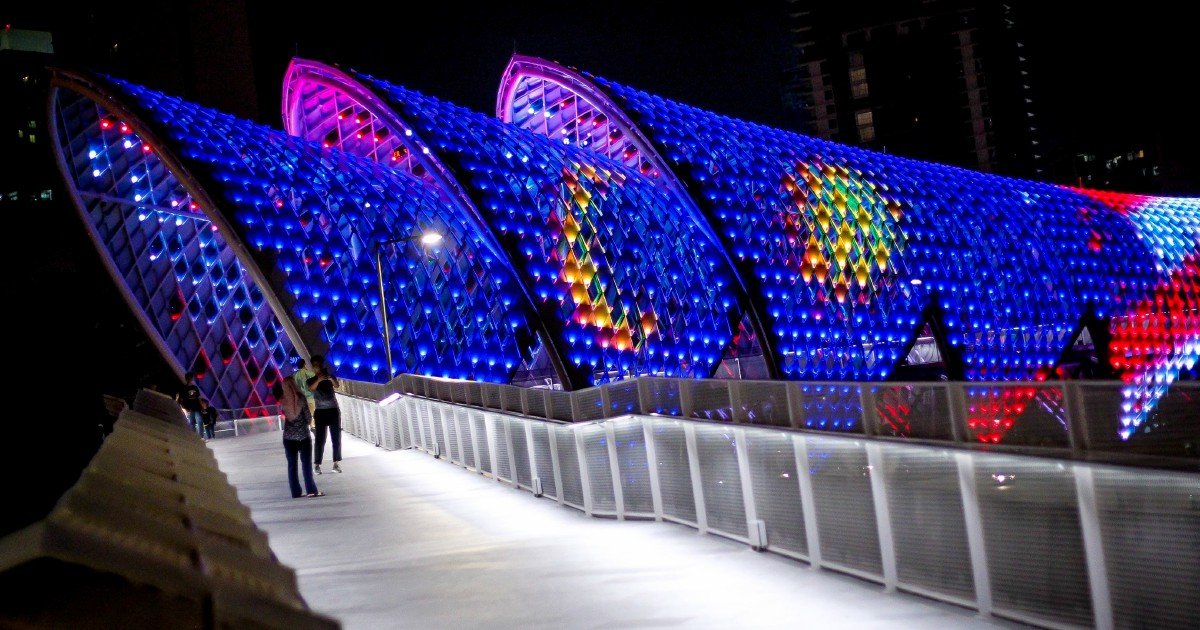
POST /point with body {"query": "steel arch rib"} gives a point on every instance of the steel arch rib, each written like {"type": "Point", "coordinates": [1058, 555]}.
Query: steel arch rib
{"type": "Point", "coordinates": [110, 99]}
{"type": "Point", "coordinates": [521, 66]}
{"type": "Point", "coordinates": [301, 71]}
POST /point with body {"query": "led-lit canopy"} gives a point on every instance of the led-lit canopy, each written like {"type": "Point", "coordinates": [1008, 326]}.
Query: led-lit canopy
{"type": "Point", "coordinates": [849, 251]}
{"type": "Point", "coordinates": [600, 232]}
{"type": "Point", "coordinates": [189, 204]}
{"type": "Point", "coordinates": [200, 303]}
{"type": "Point", "coordinates": [627, 280]}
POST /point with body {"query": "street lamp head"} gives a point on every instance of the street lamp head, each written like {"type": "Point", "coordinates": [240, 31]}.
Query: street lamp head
{"type": "Point", "coordinates": [431, 238]}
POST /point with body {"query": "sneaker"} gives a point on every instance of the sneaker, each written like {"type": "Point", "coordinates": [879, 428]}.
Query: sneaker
{"type": "Point", "coordinates": [336, 468]}
{"type": "Point", "coordinates": [317, 469]}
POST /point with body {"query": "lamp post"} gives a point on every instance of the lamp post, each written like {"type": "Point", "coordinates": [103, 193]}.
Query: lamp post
{"type": "Point", "coordinates": [428, 239]}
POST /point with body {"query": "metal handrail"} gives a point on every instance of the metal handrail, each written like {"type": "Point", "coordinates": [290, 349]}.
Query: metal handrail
{"type": "Point", "coordinates": [1065, 422]}
{"type": "Point", "coordinates": [845, 502]}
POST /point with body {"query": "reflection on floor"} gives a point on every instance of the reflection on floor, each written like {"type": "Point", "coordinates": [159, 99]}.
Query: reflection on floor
{"type": "Point", "coordinates": [403, 539]}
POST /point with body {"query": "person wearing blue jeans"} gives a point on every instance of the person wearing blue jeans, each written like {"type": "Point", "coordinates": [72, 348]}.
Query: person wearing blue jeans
{"type": "Point", "coordinates": [209, 414]}
{"type": "Point", "coordinates": [302, 449]}
{"type": "Point", "coordinates": [189, 398]}
{"type": "Point", "coordinates": [296, 443]}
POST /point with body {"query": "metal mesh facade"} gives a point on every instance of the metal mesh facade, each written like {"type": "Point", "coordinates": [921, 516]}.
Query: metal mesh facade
{"type": "Point", "coordinates": [311, 219]}
{"type": "Point", "coordinates": [627, 282]}
{"type": "Point", "coordinates": [603, 233]}
{"type": "Point", "coordinates": [192, 292]}
{"type": "Point", "coordinates": [635, 286]}
{"type": "Point", "coordinates": [845, 251]}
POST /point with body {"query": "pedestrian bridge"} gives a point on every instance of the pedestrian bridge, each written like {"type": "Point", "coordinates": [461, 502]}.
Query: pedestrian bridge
{"type": "Point", "coordinates": [902, 532]}
{"type": "Point", "coordinates": [405, 540]}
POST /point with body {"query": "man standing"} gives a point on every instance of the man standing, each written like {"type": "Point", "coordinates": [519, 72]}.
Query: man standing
{"type": "Point", "coordinates": [300, 378]}
{"type": "Point", "coordinates": [209, 413]}
{"type": "Point", "coordinates": [189, 398]}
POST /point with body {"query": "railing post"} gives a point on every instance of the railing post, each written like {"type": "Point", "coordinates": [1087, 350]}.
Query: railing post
{"type": "Point", "coordinates": [363, 422]}
{"type": "Point", "coordinates": [685, 398]}
{"type": "Point", "coordinates": [458, 432]}
{"type": "Point", "coordinates": [508, 446]}
{"type": "Point", "coordinates": [1076, 412]}
{"type": "Point", "coordinates": [524, 402]}
{"type": "Point", "coordinates": [755, 529]}
{"type": "Point", "coordinates": [380, 413]}
{"type": "Point", "coordinates": [956, 397]}
{"type": "Point", "coordinates": [435, 412]}
{"type": "Point", "coordinates": [870, 413]}
{"type": "Point", "coordinates": [474, 440]}
{"type": "Point", "coordinates": [585, 476]}
{"type": "Point", "coordinates": [795, 399]}
{"type": "Point", "coordinates": [652, 466]}
{"type": "Point", "coordinates": [373, 411]}
{"type": "Point", "coordinates": [535, 482]}
{"type": "Point", "coordinates": [606, 401]}
{"type": "Point", "coordinates": [422, 413]}
{"type": "Point", "coordinates": [410, 414]}
{"type": "Point", "coordinates": [643, 395]}
{"type": "Point", "coordinates": [552, 430]}
{"type": "Point", "coordinates": [735, 402]}
{"type": "Point", "coordinates": [974, 529]}
{"type": "Point", "coordinates": [446, 410]}
{"type": "Point", "coordinates": [808, 501]}
{"type": "Point", "coordinates": [689, 435]}
{"type": "Point", "coordinates": [409, 419]}
{"type": "Point", "coordinates": [1093, 547]}
{"type": "Point", "coordinates": [883, 517]}
{"type": "Point", "coordinates": [435, 415]}
{"type": "Point", "coordinates": [614, 467]}
{"type": "Point", "coordinates": [489, 425]}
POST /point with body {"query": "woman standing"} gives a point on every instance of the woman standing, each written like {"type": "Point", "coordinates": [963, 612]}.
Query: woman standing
{"type": "Point", "coordinates": [328, 414]}
{"type": "Point", "coordinates": [295, 437]}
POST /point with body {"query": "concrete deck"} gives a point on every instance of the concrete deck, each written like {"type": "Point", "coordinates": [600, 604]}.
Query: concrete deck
{"type": "Point", "coordinates": [404, 540]}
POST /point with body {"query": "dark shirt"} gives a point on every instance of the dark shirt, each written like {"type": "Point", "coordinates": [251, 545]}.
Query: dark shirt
{"type": "Point", "coordinates": [296, 429]}
{"type": "Point", "coordinates": [210, 416]}
{"type": "Point", "coordinates": [189, 397]}
{"type": "Point", "coordinates": [324, 395]}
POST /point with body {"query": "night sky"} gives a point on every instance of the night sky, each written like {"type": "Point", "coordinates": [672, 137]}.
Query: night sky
{"type": "Point", "coordinates": [685, 53]}
{"type": "Point", "coordinates": [1095, 73]}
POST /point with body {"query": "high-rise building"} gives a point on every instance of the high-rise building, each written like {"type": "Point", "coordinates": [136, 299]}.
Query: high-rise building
{"type": "Point", "coordinates": [943, 80]}
{"type": "Point", "coordinates": [26, 176]}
